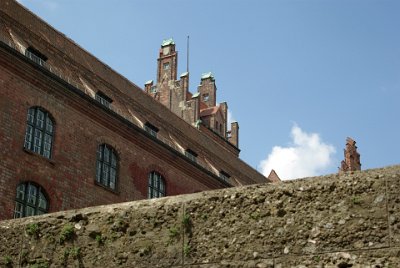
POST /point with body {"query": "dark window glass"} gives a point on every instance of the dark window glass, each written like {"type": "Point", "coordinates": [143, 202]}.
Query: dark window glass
{"type": "Point", "coordinates": [151, 129]}
{"type": "Point", "coordinates": [153, 89]}
{"type": "Point", "coordinates": [156, 185]}
{"type": "Point", "coordinates": [223, 175]}
{"type": "Point", "coordinates": [191, 155]}
{"type": "Point", "coordinates": [103, 99]}
{"type": "Point", "coordinates": [166, 66]}
{"type": "Point", "coordinates": [30, 200]}
{"type": "Point", "coordinates": [39, 132]}
{"type": "Point", "coordinates": [107, 166]}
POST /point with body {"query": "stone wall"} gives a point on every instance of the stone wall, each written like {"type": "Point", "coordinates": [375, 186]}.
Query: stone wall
{"type": "Point", "coordinates": [351, 220]}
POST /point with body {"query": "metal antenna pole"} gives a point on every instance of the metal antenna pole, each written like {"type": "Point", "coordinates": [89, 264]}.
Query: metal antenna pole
{"type": "Point", "coordinates": [187, 56]}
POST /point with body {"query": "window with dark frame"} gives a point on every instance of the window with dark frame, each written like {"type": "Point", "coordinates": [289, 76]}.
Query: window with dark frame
{"type": "Point", "coordinates": [151, 129]}
{"type": "Point", "coordinates": [166, 66]}
{"type": "Point", "coordinates": [39, 132]}
{"type": "Point", "coordinates": [156, 185]}
{"type": "Point", "coordinates": [103, 99]}
{"type": "Point", "coordinates": [30, 200]}
{"type": "Point", "coordinates": [107, 166]}
{"type": "Point", "coordinates": [191, 155]}
{"type": "Point", "coordinates": [206, 97]}
{"type": "Point", "coordinates": [223, 175]}
{"type": "Point", "coordinates": [153, 89]}
{"type": "Point", "coordinates": [35, 56]}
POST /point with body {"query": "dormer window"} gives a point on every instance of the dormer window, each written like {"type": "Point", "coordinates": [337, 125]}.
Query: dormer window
{"type": "Point", "coordinates": [152, 130]}
{"type": "Point", "coordinates": [166, 66]}
{"type": "Point", "coordinates": [35, 56]}
{"type": "Point", "coordinates": [191, 155]}
{"type": "Point", "coordinates": [103, 99]}
{"type": "Point", "coordinates": [153, 89]}
{"type": "Point", "coordinates": [224, 176]}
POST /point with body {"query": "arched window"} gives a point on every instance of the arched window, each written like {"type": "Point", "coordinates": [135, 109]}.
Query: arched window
{"type": "Point", "coordinates": [106, 166]}
{"type": "Point", "coordinates": [30, 200]}
{"type": "Point", "coordinates": [156, 185]}
{"type": "Point", "coordinates": [39, 132]}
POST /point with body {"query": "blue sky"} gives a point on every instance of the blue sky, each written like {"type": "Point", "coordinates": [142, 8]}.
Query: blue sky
{"type": "Point", "coordinates": [298, 75]}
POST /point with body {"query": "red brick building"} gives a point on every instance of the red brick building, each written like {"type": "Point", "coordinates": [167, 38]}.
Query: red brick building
{"type": "Point", "coordinates": [74, 133]}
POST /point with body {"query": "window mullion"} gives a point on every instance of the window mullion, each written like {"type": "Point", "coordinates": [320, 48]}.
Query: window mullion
{"type": "Point", "coordinates": [43, 129]}
{"type": "Point", "coordinates": [25, 202]}
{"type": "Point", "coordinates": [37, 200]}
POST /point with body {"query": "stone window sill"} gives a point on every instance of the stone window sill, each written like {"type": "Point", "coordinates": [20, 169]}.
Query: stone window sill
{"type": "Point", "coordinates": [39, 156]}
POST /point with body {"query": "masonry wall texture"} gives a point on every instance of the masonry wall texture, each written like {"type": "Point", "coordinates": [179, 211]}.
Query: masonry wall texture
{"type": "Point", "coordinates": [347, 220]}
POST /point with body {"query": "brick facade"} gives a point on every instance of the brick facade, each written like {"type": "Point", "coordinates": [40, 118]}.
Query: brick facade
{"type": "Point", "coordinates": [65, 86]}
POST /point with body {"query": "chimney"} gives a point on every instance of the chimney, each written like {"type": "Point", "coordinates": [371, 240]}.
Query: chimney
{"type": "Point", "coordinates": [234, 134]}
{"type": "Point", "coordinates": [224, 109]}
{"type": "Point", "coordinates": [185, 84]}
{"type": "Point", "coordinates": [147, 86]}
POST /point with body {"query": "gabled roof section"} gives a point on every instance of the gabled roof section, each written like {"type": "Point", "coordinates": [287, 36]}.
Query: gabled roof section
{"type": "Point", "coordinates": [273, 176]}
{"type": "Point", "coordinates": [209, 111]}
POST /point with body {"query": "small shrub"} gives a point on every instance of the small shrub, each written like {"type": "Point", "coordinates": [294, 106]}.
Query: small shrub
{"type": "Point", "coordinates": [33, 230]}
{"type": "Point", "coordinates": [186, 220]}
{"type": "Point", "coordinates": [356, 200]}
{"type": "Point", "coordinates": [255, 215]}
{"type": "Point", "coordinates": [317, 258]}
{"type": "Point", "coordinates": [67, 233]}
{"type": "Point", "coordinates": [100, 239]}
{"type": "Point", "coordinates": [173, 232]}
{"type": "Point", "coordinates": [64, 257]}
{"type": "Point", "coordinates": [75, 252]}
{"type": "Point", "coordinates": [8, 261]}
{"type": "Point", "coordinates": [186, 249]}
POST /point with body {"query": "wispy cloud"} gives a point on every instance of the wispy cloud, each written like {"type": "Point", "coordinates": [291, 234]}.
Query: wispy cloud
{"type": "Point", "coordinates": [307, 155]}
{"type": "Point", "coordinates": [230, 118]}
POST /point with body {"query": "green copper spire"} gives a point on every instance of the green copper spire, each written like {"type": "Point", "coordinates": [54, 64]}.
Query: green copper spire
{"type": "Point", "coordinates": [207, 75]}
{"type": "Point", "coordinates": [167, 42]}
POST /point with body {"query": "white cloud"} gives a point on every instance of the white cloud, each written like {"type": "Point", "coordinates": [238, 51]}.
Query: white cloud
{"type": "Point", "coordinates": [307, 156]}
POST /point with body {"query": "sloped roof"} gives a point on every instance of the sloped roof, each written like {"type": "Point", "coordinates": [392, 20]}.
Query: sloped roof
{"type": "Point", "coordinates": [209, 111]}
{"type": "Point", "coordinates": [273, 176]}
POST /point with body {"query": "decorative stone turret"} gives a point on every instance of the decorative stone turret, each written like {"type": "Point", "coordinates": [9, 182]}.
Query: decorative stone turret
{"type": "Point", "coordinates": [208, 90]}
{"type": "Point", "coordinates": [199, 108]}
{"type": "Point", "coordinates": [351, 160]}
